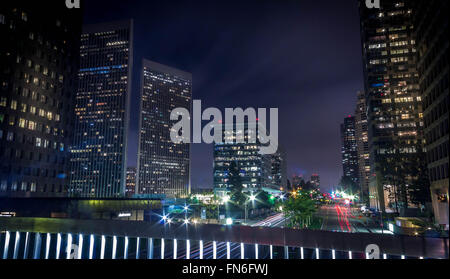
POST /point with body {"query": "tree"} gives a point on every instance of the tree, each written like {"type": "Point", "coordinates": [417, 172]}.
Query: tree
{"type": "Point", "coordinates": [299, 209]}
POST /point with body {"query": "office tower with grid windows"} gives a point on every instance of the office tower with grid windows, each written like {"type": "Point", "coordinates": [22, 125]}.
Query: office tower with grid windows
{"type": "Point", "coordinates": [131, 182]}
{"type": "Point", "coordinates": [362, 143]}
{"type": "Point", "coordinates": [163, 166]}
{"type": "Point", "coordinates": [38, 71]}
{"type": "Point", "coordinates": [349, 149]}
{"type": "Point", "coordinates": [98, 163]}
{"type": "Point", "coordinates": [431, 21]}
{"type": "Point", "coordinates": [394, 105]}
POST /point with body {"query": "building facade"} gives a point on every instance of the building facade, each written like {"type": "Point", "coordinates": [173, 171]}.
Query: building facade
{"type": "Point", "coordinates": [349, 149]}
{"type": "Point", "coordinates": [98, 163]}
{"type": "Point", "coordinates": [278, 165]}
{"type": "Point", "coordinates": [394, 105]}
{"type": "Point", "coordinates": [362, 143]}
{"type": "Point", "coordinates": [130, 188]}
{"type": "Point", "coordinates": [255, 169]}
{"type": "Point", "coordinates": [315, 180]}
{"type": "Point", "coordinates": [38, 66]}
{"type": "Point", "coordinates": [163, 166]}
{"type": "Point", "coordinates": [431, 21]}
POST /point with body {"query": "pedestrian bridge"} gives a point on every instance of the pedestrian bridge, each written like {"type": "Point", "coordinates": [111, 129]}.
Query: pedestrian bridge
{"type": "Point", "coordinates": [51, 238]}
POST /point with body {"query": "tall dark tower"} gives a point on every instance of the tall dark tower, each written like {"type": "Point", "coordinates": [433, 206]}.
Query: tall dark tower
{"type": "Point", "coordinates": [362, 142]}
{"type": "Point", "coordinates": [394, 105]}
{"type": "Point", "coordinates": [39, 53]}
{"type": "Point", "coordinates": [98, 164]}
{"type": "Point", "coordinates": [163, 166]}
{"type": "Point", "coordinates": [432, 32]}
{"type": "Point", "coordinates": [349, 149]}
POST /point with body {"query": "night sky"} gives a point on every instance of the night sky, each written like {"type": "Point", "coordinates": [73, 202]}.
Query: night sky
{"type": "Point", "coordinates": [303, 57]}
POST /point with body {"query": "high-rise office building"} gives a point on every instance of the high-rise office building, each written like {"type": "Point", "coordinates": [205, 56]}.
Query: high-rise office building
{"type": "Point", "coordinates": [349, 149]}
{"type": "Point", "coordinates": [38, 66]}
{"type": "Point", "coordinates": [98, 162]}
{"type": "Point", "coordinates": [315, 180]}
{"type": "Point", "coordinates": [394, 106]}
{"type": "Point", "coordinates": [362, 143]}
{"type": "Point", "coordinates": [255, 169]}
{"type": "Point", "coordinates": [130, 188]}
{"type": "Point", "coordinates": [431, 21]}
{"type": "Point", "coordinates": [278, 165]}
{"type": "Point", "coordinates": [163, 166]}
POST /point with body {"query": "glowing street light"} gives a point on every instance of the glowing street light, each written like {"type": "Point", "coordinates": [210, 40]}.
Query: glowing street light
{"type": "Point", "coordinates": [169, 220]}
{"type": "Point", "coordinates": [225, 199]}
{"type": "Point", "coordinates": [252, 198]}
{"type": "Point", "coordinates": [229, 221]}
{"type": "Point", "coordinates": [186, 221]}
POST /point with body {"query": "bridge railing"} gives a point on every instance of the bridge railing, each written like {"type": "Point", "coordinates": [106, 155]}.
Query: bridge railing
{"type": "Point", "coordinates": [401, 246]}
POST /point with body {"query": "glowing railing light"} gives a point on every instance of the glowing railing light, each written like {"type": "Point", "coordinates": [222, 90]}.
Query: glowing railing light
{"type": "Point", "coordinates": [58, 245]}
{"type": "Point", "coordinates": [175, 248]}
{"type": "Point", "coordinates": [214, 250]}
{"type": "Point", "coordinates": [333, 254]}
{"type": "Point", "coordinates": [256, 251]}
{"type": "Point", "coordinates": [5, 249]}
{"type": "Point", "coordinates": [317, 254]}
{"type": "Point", "coordinates": [80, 246]}
{"type": "Point", "coordinates": [188, 249]}
{"type": "Point", "coordinates": [91, 247]}
{"type": "Point", "coordinates": [69, 245]}
{"type": "Point", "coordinates": [114, 248]}
{"type": "Point", "coordinates": [201, 250]}
{"type": "Point", "coordinates": [125, 252]}
{"type": "Point", "coordinates": [228, 250]}
{"type": "Point", "coordinates": [350, 256]}
{"type": "Point", "coordinates": [47, 245]}
{"type": "Point", "coordinates": [242, 251]}
{"type": "Point", "coordinates": [162, 248]}
{"type": "Point", "coordinates": [102, 248]}
{"type": "Point", "coordinates": [16, 245]}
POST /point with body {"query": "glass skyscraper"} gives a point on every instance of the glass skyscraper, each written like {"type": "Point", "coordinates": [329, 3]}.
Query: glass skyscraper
{"type": "Point", "coordinates": [163, 166]}
{"type": "Point", "coordinates": [349, 149]}
{"type": "Point", "coordinates": [98, 163]}
{"type": "Point", "coordinates": [362, 142]}
{"type": "Point", "coordinates": [38, 68]}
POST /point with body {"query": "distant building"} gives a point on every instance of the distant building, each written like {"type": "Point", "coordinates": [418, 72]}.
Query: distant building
{"type": "Point", "coordinates": [296, 181]}
{"type": "Point", "coordinates": [163, 166]}
{"type": "Point", "coordinates": [130, 188]}
{"type": "Point", "coordinates": [362, 142]}
{"type": "Point", "coordinates": [432, 31]}
{"type": "Point", "coordinates": [349, 149]}
{"type": "Point", "coordinates": [278, 165]}
{"type": "Point", "coordinates": [39, 54]}
{"type": "Point", "coordinates": [315, 180]}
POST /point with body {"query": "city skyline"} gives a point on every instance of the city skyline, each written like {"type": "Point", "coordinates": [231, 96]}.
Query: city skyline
{"type": "Point", "coordinates": [103, 115]}
{"type": "Point", "coordinates": [211, 52]}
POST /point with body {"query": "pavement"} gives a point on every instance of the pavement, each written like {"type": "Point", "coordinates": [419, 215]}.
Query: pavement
{"type": "Point", "coordinates": [341, 218]}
